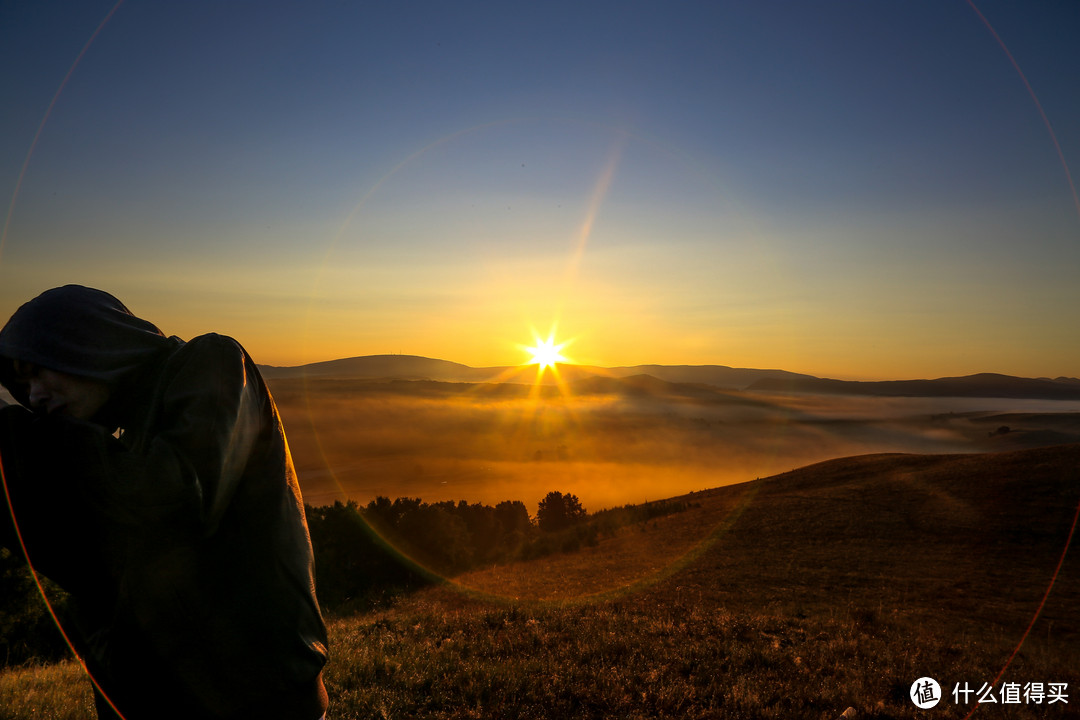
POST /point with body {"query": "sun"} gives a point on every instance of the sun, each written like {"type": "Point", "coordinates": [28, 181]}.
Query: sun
{"type": "Point", "coordinates": [545, 353]}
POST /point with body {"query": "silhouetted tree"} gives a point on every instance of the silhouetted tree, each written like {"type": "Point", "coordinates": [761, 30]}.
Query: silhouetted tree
{"type": "Point", "coordinates": [485, 532]}
{"type": "Point", "coordinates": [513, 516]}
{"type": "Point", "coordinates": [27, 631]}
{"type": "Point", "coordinates": [558, 511]}
{"type": "Point", "coordinates": [515, 525]}
{"type": "Point", "coordinates": [353, 563]}
{"type": "Point", "coordinates": [436, 536]}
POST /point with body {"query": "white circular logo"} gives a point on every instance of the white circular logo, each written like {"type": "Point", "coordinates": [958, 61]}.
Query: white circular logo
{"type": "Point", "coordinates": [925, 693]}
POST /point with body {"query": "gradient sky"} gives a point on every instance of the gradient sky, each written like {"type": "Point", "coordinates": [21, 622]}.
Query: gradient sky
{"type": "Point", "coordinates": [850, 189]}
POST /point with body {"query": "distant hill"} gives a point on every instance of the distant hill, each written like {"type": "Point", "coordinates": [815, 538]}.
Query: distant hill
{"type": "Point", "coordinates": [718, 375]}
{"type": "Point", "coordinates": [649, 386]}
{"type": "Point", "coordinates": [413, 367]}
{"type": "Point", "coordinates": [985, 385]}
{"type": "Point", "coordinates": [630, 385]}
{"type": "Point", "coordinates": [397, 367]}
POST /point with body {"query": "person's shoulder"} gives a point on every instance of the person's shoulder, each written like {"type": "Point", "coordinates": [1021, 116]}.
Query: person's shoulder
{"type": "Point", "coordinates": [211, 347]}
{"type": "Point", "coordinates": [213, 342]}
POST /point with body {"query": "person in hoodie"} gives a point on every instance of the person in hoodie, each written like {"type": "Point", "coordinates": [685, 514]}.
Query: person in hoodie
{"type": "Point", "coordinates": [150, 478]}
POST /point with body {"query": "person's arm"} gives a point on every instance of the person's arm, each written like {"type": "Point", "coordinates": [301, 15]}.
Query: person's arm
{"type": "Point", "coordinates": [45, 516]}
{"type": "Point", "coordinates": [14, 421]}
{"type": "Point", "coordinates": [179, 479]}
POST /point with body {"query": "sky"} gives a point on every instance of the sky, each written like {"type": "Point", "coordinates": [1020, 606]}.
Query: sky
{"type": "Point", "coordinates": [864, 189]}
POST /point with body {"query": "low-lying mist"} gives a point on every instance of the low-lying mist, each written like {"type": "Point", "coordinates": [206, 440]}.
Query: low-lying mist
{"type": "Point", "coordinates": [612, 443]}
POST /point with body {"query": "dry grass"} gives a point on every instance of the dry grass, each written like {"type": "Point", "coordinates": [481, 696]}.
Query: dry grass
{"type": "Point", "coordinates": [49, 692]}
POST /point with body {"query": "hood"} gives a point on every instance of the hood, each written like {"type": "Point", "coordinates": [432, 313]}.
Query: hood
{"type": "Point", "coordinates": [79, 331]}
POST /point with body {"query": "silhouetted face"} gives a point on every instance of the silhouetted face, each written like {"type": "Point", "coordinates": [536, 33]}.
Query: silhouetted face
{"type": "Point", "coordinates": [51, 392]}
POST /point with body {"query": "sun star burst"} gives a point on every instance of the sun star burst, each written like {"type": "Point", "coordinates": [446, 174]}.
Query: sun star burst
{"type": "Point", "coordinates": [546, 353]}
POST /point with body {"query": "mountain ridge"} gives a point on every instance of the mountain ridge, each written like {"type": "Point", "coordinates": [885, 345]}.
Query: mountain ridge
{"type": "Point", "coordinates": [415, 367]}
{"type": "Point", "coordinates": [978, 385]}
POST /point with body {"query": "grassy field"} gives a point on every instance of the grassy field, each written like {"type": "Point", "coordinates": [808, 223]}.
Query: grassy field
{"type": "Point", "coordinates": [831, 587]}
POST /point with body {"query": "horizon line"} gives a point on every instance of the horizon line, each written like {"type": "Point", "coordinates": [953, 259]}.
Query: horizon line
{"type": "Point", "coordinates": [525, 365]}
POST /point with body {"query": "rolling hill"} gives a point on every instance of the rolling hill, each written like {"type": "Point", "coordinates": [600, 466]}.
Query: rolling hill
{"type": "Point", "coordinates": [985, 385]}
{"type": "Point", "coordinates": [412, 367]}
{"type": "Point", "coordinates": [820, 593]}
{"type": "Point", "coordinates": [400, 367]}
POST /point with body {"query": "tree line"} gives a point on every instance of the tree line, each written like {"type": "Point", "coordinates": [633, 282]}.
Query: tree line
{"type": "Point", "coordinates": [363, 553]}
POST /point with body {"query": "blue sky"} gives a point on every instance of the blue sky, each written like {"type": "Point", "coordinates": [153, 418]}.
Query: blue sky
{"type": "Point", "coordinates": [853, 189]}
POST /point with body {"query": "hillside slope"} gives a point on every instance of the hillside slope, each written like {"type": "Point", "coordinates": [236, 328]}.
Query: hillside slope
{"type": "Point", "coordinates": [864, 514]}
{"type": "Point", "coordinates": [830, 587]}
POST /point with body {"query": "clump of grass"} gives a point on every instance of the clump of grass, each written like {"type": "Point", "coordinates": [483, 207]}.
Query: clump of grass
{"type": "Point", "coordinates": [50, 692]}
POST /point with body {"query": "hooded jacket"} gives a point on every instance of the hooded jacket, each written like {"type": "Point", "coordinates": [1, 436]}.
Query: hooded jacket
{"type": "Point", "coordinates": [181, 538]}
